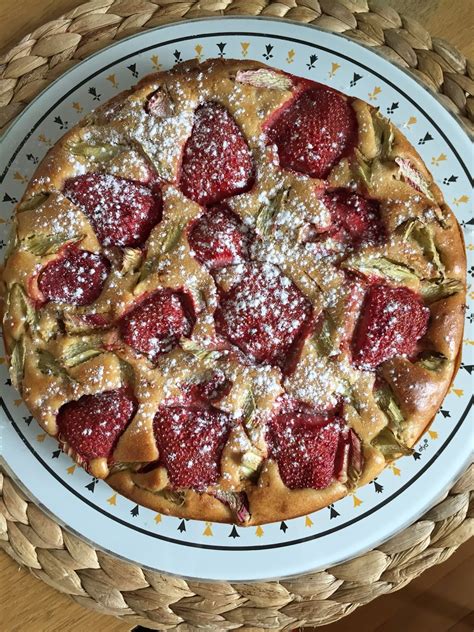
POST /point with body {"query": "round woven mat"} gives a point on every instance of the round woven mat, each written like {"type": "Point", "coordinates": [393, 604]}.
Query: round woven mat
{"type": "Point", "coordinates": [51, 49]}
{"type": "Point", "coordinates": [162, 602]}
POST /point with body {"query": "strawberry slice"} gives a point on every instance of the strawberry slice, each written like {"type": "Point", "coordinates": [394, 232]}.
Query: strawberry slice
{"type": "Point", "coordinates": [218, 238]}
{"type": "Point", "coordinates": [314, 131]}
{"type": "Point", "coordinates": [217, 162]}
{"type": "Point", "coordinates": [155, 325]}
{"type": "Point", "coordinates": [264, 314]}
{"type": "Point", "coordinates": [93, 424]}
{"type": "Point", "coordinates": [214, 387]}
{"type": "Point", "coordinates": [77, 277]}
{"type": "Point", "coordinates": [304, 444]}
{"type": "Point", "coordinates": [122, 212]}
{"type": "Point", "coordinates": [392, 321]}
{"type": "Point", "coordinates": [190, 441]}
{"type": "Point", "coordinates": [355, 219]}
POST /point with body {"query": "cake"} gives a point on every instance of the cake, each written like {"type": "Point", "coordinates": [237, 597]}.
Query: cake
{"type": "Point", "coordinates": [233, 293]}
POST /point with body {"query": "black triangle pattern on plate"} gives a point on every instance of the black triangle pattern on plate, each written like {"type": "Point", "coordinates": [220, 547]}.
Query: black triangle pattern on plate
{"type": "Point", "coordinates": [333, 513]}
{"type": "Point", "coordinates": [133, 70]}
{"type": "Point", "coordinates": [424, 139]}
{"type": "Point", "coordinates": [355, 79]}
{"type": "Point", "coordinates": [92, 484]}
{"type": "Point", "coordinates": [234, 533]}
{"type": "Point", "coordinates": [377, 486]}
{"type": "Point", "coordinates": [312, 62]}
{"type": "Point", "coordinates": [448, 181]}
{"type": "Point", "coordinates": [391, 109]}
{"type": "Point", "coordinates": [59, 121]}
{"type": "Point", "coordinates": [94, 94]}
{"type": "Point", "coordinates": [268, 52]}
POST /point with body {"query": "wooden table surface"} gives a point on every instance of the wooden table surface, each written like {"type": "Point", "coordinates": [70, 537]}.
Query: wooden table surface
{"type": "Point", "coordinates": [439, 600]}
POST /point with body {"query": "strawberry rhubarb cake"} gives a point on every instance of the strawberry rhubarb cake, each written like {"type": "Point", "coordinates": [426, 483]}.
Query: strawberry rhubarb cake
{"type": "Point", "coordinates": [233, 293]}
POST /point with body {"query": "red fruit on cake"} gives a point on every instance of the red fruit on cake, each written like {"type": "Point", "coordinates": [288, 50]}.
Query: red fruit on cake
{"type": "Point", "coordinates": [392, 321]}
{"type": "Point", "coordinates": [212, 388]}
{"type": "Point", "coordinates": [156, 324]}
{"type": "Point", "coordinates": [242, 287]}
{"type": "Point", "coordinates": [264, 314]}
{"type": "Point", "coordinates": [122, 212]}
{"type": "Point", "coordinates": [304, 444]}
{"type": "Point", "coordinates": [92, 425]}
{"type": "Point", "coordinates": [314, 131]}
{"type": "Point", "coordinates": [217, 162]}
{"type": "Point", "coordinates": [190, 443]}
{"type": "Point", "coordinates": [355, 219]}
{"type": "Point", "coordinates": [219, 238]}
{"type": "Point", "coordinates": [76, 277]}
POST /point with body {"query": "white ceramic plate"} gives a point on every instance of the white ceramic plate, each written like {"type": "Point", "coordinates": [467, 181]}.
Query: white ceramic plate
{"type": "Point", "coordinates": [352, 525]}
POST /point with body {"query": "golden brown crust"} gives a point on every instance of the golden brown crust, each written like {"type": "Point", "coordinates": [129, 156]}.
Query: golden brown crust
{"type": "Point", "coordinates": [424, 237]}
{"type": "Point", "coordinates": [197, 506]}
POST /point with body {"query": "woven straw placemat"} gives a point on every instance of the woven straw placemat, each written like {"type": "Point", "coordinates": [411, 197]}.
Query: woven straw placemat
{"type": "Point", "coordinates": [111, 586]}
{"type": "Point", "coordinates": [142, 597]}
{"type": "Point", "coordinates": [51, 49]}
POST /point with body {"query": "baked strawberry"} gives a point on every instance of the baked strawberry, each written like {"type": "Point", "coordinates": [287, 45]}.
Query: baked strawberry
{"type": "Point", "coordinates": [122, 212]}
{"type": "Point", "coordinates": [155, 325]}
{"type": "Point", "coordinates": [217, 162]}
{"type": "Point", "coordinates": [392, 321]}
{"type": "Point", "coordinates": [304, 444]}
{"type": "Point", "coordinates": [93, 424]}
{"type": "Point", "coordinates": [211, 389]}
{"type": "Point", "coordinates": [190, 441]}
{"type": "Point", "coordinates": [219, 238]}
{"type": "Point", "coordinates": [355, 219]}
{"type": "Point", "coordinates": [75, 277]}
{"type": "Point", "coordinates": [264, 314]}
{"type": "Point", "coordinates": [314, 131]}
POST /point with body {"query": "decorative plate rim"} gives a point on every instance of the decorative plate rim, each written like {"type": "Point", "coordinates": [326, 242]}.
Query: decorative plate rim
{"type": "Point", "coordinates": [299, 27]}
{"type": "Point", "coordinates": [262, 18]}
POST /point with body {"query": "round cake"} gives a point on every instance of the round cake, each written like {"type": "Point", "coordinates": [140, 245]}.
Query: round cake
{"type": "Point", "coordinates": [234, 293]}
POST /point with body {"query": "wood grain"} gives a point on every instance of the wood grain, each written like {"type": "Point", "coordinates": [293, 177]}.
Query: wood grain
{"type": "Point", "coordinates": [440, 600]}
{"type": "Point", "coordinates": [26, 603]}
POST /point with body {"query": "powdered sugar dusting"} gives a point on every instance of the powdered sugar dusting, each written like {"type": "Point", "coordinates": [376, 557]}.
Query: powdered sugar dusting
{"type": "Point", "coordinates": [219, 283]}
